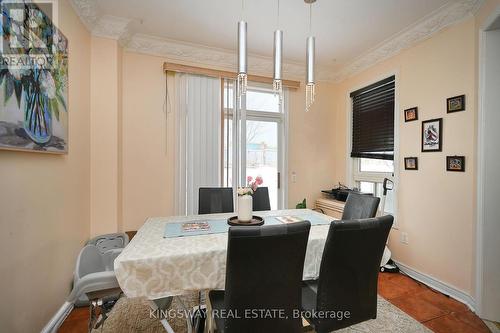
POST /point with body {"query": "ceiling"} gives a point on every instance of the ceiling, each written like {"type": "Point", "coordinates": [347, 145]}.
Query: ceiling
{"type": "Point", "coordinates": [344, 29]}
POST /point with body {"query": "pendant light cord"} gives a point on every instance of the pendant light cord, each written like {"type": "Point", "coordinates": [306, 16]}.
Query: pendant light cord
{"type": "Point", "coordinates": [278, 20]}
{"type": "Point", "coordinates": [310, 19]}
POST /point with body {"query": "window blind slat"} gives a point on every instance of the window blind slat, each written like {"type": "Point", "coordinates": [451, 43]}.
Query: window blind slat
{"type": "Point", "coordinates": [373, 121]}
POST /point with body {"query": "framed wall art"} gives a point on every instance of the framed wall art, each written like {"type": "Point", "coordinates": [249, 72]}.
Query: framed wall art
{"type": "Point", "coordinates": [432, 135]}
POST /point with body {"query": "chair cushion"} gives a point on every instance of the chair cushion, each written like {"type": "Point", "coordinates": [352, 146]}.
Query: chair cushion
{"type": "Point", "coordinates": [217, 303]}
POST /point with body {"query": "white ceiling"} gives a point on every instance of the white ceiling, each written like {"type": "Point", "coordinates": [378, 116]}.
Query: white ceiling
{"type": "Point", "coordinates": [345, 30]}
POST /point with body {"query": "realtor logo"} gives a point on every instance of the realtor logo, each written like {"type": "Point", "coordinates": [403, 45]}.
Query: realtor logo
{"type": "Point", "coordinates": [29, 36]}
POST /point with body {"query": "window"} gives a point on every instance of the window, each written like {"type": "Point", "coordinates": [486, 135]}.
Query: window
{"type": "Point", "coordinates": [262, 119]}
{"type": "Point", "coordinates": [373, 139]}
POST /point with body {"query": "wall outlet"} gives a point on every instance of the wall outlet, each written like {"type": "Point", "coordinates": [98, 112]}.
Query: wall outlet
{"type": "Point", "coordinates": [294, 177]}
{"type": "Point", "coordinates": [404, 238]}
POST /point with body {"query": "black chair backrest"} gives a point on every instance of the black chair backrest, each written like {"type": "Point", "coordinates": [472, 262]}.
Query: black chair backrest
{"type": "Point", "coordinates": [264, 271]}
{"type": "Point", "coordinates": [213, 200]}
{"type": "Point", "coordinates": [349, 270]}
{"type": "Point", "coordinates": [360, 206]}
{"type": "Point", "coordinates": [261, 199]}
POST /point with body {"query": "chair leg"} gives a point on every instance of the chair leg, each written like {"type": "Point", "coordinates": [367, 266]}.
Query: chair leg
{"type": "Point", "coordinates": [189, 320]}
{"type": "Point", "coordinates": [167, 326]}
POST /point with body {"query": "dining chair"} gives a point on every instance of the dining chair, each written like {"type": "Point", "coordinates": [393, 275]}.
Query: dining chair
{"type": "Point", "coordinates": [360, 206]}
{"type": "Point", "coordinates": [260, 200]}
{"type": "Point", "coordinates": [347, 284]}
{"type": "Point", "coordinates": [264, 269]}
{"type": "Point", "coordinates": [213, 200]}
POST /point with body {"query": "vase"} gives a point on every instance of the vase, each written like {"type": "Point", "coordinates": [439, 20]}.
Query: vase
{"type": "Point", "coordinates": [245, 208]}
{"type": "Point", "coordinates": [37, 118]}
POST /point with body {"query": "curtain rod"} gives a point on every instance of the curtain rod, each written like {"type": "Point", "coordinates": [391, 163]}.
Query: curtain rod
{"type": "Point", "coordinates": [173, 67]}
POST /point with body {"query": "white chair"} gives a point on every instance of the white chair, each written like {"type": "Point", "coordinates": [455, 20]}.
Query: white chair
{"type": "Point", "coordinates": [95, 278]}
{"type": "Point", "coordinates": [110, 241]}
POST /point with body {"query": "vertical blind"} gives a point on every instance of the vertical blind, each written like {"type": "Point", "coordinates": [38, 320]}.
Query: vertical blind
{"type": "Point", "coordinates": [197, 138]}
{"type": "Point", "coordinates": [373, 120]}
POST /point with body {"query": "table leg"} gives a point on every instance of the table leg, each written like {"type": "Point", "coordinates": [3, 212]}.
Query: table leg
{"type": "Point", "coordinates": [164, 321]}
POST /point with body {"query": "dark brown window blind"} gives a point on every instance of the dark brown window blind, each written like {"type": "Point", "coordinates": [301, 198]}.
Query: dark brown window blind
{"type": "Point", "coordinates": [373, 121]}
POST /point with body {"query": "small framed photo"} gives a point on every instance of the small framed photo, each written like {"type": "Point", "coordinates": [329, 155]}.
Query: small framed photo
{"type": "Point", "coordinates": [432, 135]}
{"type": "Point", "coordinates": [455, 163]}
{"type": "Point", "coordinates": [411, 114]}
{"type": "Point", "coordinates": [411, 163]}
{"type": "Point", "coordinates": [455, 104]}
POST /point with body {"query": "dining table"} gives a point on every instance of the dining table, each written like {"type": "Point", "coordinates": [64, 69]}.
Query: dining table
{"type": "Point", "coordinates": [164, 260]}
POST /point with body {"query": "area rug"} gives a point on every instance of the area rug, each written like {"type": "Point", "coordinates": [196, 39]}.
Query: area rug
{"type": "Point", "coordinates": [133, 315]}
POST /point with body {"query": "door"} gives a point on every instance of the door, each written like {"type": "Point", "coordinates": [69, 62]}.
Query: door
{"type": "Point", "coordinates": [254, 139]}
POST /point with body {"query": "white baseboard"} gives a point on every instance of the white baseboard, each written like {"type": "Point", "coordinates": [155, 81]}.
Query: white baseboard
{"type": "Point", "coordinates": [440, 286]}
{"type": "Point", "coordinates": [57, 320]}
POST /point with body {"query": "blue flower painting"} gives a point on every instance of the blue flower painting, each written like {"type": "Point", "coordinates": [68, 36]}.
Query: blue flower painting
{"type": "Point", "coordinates": [33, 80]}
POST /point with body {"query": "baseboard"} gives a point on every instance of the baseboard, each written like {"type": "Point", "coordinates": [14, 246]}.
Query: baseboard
{"type": "Point", "coordinates": [440, 286]}
{"type": "Point", "coordinates": [57, 320]}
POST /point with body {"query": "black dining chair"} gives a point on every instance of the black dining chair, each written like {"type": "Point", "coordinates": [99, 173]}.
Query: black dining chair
{"type": "Point", "coordinates": [360, 206]}
{"type": "Point", "coordinates": [263, 272]}
{"type": "Point", "coordinates": [260, 199]}
{"type": "Point", "coordinates": [213, 200]}
{"type": "Point", "coordinates": [347, 284]}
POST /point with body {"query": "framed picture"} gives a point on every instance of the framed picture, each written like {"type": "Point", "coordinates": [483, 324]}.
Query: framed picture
{"type": "Point", "coordinates": [455, 163]}
{"type": "Point", "coordinates": [411, 163]}
{"type": "Point", "coordinates": [455, 104]}
{"type": "Point", "coordinates": [34, 87]}
{"type": "Point", "coordinates": [432, 134]}
{"type": "Point", "coordinates": [411, 114]}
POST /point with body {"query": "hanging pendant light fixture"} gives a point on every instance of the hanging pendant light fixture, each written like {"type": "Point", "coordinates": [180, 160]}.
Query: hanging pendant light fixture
{"type": "Point", "coordinates": [310, 54]}
{"type": "Point", "coordinates": [242, 55]}
{"type": "Point", "coordinates": [278, 59]}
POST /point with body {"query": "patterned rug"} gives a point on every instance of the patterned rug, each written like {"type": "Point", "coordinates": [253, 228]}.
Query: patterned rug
{"type": "Point", "coordinates": [133, 315]}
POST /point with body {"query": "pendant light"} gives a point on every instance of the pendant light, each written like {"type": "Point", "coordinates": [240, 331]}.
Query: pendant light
{"type": "Point", "coordinates": [242, 55]}
{"type": "Point", "coordinates": [278, 59]}
{"type": "Point", "coordinates": [310, 53]}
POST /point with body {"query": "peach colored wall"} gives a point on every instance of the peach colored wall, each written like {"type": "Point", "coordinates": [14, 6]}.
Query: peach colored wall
{"type": "Point", "coordinates": [44, 205]}
{"type": "Point", "coordinates": [435, 207]}
{"type": "Point", "coordinates": [147, 180]}
{"type": "Point", "coordinates": [105, 124]}
{"type": "Point", "coordinates": [148, 164]}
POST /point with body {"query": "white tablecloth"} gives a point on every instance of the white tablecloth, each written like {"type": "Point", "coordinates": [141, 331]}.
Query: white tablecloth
{"type": "Point", "coordinates": [153, 267]}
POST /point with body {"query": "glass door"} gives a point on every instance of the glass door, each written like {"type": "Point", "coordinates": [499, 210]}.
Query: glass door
{"type": "Point", "coordinates": [262, 120]}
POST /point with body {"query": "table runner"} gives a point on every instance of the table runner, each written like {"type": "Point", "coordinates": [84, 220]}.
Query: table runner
{"type": "Point", "coordinates": [152, 266]}
{"type": "Point", "coordinates": [217, 226]}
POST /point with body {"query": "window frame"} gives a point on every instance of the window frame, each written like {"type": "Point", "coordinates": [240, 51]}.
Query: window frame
{"type": "Point", "coordinates": [354, 175]}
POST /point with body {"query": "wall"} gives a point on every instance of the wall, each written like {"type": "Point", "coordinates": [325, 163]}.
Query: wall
{"type": "Point", "coordinates": [44, 205]}
{"type": "Point", "coordinates": [105, 132]}
{"type": "Point", "coordinates": [148, 162]}
{"type": "Point", "coordinates": [435, 207]}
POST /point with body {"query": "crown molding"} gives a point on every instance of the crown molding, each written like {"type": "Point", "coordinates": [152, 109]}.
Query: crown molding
{"type": "Point", "coordinates": [87, 11]}
{"type": "Point", "coordinates": [106, 26]}
{"type": "Point", "coordinates": [119, 28]}
{"type": "Point", "coordinates": [111, 27]}
{"type": "Point", "coordinates": [209, 56]}
{"type": "Point", "coordinates": [447, 15]}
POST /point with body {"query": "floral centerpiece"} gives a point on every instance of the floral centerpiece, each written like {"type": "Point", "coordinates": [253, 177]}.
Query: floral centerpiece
{"type": "Point", "coordinates": [245, 201]}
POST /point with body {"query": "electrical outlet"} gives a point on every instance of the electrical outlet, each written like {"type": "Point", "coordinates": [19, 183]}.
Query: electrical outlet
{"type": "Point", "coordinates": [294, 177]}
{"type": "Point", "coordinates": [404, 238]}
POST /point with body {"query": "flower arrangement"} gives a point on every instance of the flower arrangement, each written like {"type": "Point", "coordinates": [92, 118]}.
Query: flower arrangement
{"type": "Point", "coordinates": [252, 185]}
